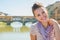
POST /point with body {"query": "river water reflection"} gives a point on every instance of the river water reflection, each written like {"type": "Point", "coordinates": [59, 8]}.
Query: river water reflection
{"type": "Point", "coordinates": [14, 36]}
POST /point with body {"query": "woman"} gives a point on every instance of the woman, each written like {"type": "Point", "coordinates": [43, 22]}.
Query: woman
{"type": "Point", "coordinates": [45, 28]}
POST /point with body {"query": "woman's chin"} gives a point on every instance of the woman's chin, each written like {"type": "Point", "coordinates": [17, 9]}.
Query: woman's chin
{"type": "Point", "coordinates": [45, 20]}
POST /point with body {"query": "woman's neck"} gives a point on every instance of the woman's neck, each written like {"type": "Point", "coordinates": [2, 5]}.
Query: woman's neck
{"type": "Point", "coordinates": [45, 24]}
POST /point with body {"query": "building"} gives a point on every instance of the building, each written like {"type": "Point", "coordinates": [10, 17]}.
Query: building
{"type": "Point", "coordinates": [3, 14]}
{"type": "Point", "coordinates": [54, 11]}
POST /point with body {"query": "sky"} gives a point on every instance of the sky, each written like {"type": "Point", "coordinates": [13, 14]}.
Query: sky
{"type": "Point", "coordinates": [21, 7]}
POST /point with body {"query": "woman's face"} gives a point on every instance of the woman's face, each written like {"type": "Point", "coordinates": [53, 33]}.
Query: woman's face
{"type": "Point", "coordinates": [41, 14]}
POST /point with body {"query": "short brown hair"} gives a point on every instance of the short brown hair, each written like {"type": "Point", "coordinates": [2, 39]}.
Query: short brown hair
{"type": "Point", "coordinates": [35, 6]}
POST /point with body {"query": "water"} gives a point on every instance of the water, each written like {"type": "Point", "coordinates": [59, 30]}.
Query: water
{"type": "Point", "coordinates": [14, 36]}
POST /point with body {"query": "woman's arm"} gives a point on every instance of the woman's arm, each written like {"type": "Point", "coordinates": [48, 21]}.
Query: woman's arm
{"type": "Point", "coordinates": [33, 37]}
{"type": "Point", "coordinates": [57, 31]}
{"type": "Point", "coordinates": [32, 33]}
{"type": "Point", "coordinates": [56, 28]}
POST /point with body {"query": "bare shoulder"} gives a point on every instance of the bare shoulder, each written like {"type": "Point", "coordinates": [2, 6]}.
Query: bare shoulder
{"type": "Point", "coordinates": [54, 22]}
{"type": "Point", "coordinates": [33, 26]}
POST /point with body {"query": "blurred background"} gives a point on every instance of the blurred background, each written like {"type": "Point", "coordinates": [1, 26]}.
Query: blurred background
{"type": "Point", "coordinates": [16, 17]}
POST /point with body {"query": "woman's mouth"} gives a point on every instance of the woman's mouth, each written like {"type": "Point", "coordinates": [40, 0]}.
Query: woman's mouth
{"type": "Point", "coordinates": [44, 18]}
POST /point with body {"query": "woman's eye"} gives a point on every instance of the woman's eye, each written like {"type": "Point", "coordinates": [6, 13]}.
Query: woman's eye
{"type": "Point", "coordinates": [38, 15]}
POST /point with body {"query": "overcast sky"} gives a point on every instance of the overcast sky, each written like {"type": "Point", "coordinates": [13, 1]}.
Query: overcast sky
{"type": "Point", "coordinates": [21, 7]}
